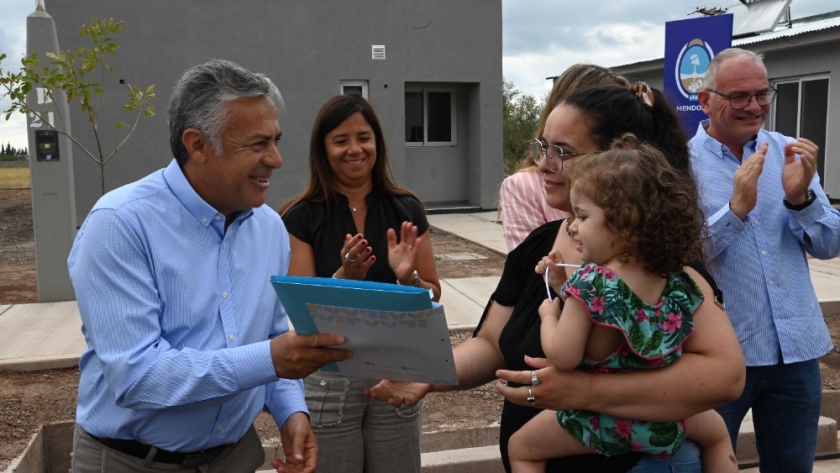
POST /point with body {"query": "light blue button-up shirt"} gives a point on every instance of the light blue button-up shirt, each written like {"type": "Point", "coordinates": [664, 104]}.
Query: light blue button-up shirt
{"type": "Point", "coordinates": [177, 314]}
{"type": "Point", "coordinates": [761, 262]}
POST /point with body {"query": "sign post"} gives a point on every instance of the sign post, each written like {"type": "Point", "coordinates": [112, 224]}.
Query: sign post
{"type": "Point", "coordinates": [689, 47]}
{"type": "Point", "coordinates": [51, 170]}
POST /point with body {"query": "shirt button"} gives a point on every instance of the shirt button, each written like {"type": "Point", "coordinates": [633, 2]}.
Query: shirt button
{"type": "Point", "coordinates": [770, 282]}
{"type": "Point", "coordinates": [232, 337]}
{"type": "Point", "coordinates": [217, 217]}
{"type": "Point", "coordinates": [221, 428]}
{"type": "Point", "coordinates": [224, 246]}
{"type": "Point", "coordinates": [763, 252]}
{"type": "Point", "coordinates": [203, 219]}
{"type": "Point", "coordinates": [323, 382]}
{"type": "Point", "coordinates": [224, 294]}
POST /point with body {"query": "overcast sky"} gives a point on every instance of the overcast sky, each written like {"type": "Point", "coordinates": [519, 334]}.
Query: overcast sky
{"type": "Point", "coordinates": [541, 38]}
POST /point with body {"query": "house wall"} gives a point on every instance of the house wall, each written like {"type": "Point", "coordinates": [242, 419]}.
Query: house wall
{"type": "Point", "coordinates": [307, 48]}
{"type": "Point", "coordinates": [813, 60]}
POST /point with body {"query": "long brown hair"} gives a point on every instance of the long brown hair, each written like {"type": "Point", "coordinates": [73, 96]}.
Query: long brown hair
{"type": "Point", "coordinates": [611, 112]}
{"type": "Point", "coordinates": [576, 77]}
{"type": "Point", "coordinates": [330, 116]}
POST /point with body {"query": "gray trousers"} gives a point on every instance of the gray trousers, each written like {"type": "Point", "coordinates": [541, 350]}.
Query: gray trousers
{"type": "Point", "coordinates": [360, 435]}
{"type": "Point", "coordinates": [90, 456]}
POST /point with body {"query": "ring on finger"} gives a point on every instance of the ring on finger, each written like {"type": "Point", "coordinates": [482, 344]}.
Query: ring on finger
{"type": "Point", "coordinates": [410, 247]}
{"type": "Point", "coordinates": [348, 258]}
{"type": "Point", "coordinates": [534, 380]}
{"type": "Point", "coordinates": [531, 400]}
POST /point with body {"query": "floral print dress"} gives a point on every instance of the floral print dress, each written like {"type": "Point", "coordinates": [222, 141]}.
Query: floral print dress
{"type": "Point", "coordinates": [654, 335]}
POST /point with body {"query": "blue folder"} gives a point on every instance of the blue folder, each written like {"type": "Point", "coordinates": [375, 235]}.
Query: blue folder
{"type": "Point", "coordinates": [297, 291]}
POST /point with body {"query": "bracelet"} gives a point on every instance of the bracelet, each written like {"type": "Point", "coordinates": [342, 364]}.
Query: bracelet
{"type": "Point", "coordinates": [416, 279]}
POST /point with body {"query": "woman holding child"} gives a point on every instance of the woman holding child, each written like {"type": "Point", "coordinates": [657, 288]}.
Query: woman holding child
{"type": "Point", "coordinates": [506, 343]}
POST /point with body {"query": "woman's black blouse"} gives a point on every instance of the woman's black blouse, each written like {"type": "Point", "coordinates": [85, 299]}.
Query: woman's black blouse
{"type": "Point", "coordinates": [524, 290]}
{"type": "Point", "coordinates": [323, 226]}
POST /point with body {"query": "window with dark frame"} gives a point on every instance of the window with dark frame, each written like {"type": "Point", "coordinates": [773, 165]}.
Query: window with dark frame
{"type": "Point", "coordinates": [430, 117]}
{"type": "Point", "coordinates": [801, 109]}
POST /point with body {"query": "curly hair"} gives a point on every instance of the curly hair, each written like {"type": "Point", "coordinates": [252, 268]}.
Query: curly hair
{"type": "Point", "coordinates": [651, 205]}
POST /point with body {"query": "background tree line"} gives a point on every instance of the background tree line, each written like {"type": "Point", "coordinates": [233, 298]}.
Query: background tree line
{"type": "Point", "coordinates": [521, 116]}
{"type": "Point", "coordinates": [10, 153]}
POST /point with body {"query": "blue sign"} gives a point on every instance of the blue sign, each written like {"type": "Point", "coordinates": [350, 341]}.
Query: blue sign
{"type": "Point", "coordinates": [689, 47]}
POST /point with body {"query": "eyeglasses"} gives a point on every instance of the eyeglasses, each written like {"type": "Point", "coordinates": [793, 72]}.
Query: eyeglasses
{"type": "Point", "coordinates": [554, 155]}
{"type": "Point", "coordinates": [742, 101]}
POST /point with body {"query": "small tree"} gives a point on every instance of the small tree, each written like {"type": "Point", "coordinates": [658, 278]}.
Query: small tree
{"type": "Point", "coordinates": [70, 72]}
{"type": "Point", "coordinates": [519, 123]}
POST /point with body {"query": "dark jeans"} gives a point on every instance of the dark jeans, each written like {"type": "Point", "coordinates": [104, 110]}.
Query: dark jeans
{"type": "Point", "coordinates": [686, 460]}
{"type": "Point", "coordinates": [785, 401]}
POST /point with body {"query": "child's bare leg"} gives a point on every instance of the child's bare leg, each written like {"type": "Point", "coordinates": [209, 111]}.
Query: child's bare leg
{"type": "Point", "coordinates": [709, 431]}
{"type": "Point", "coordinates": [539, 440]}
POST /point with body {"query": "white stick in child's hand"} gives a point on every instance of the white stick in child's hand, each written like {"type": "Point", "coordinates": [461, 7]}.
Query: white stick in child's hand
{"type": "Point", "coordinates": [567, 265]}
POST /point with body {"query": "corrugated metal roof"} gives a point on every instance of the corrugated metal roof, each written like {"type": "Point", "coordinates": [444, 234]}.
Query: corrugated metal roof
{"type": "Point", "coordinates": [821, 22]}
{"type": "Point", "coordinates": [800, 26]}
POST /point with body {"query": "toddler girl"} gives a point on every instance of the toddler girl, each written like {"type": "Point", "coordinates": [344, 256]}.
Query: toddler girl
{"type": "Point", "coordinates": [629, 307]}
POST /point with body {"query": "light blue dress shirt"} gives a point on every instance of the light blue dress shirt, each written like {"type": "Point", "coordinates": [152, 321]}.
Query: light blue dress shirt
{"type": "Point", "coordinates": [177, 314]}
{"type": "Point", "coordinates": [761, 263]}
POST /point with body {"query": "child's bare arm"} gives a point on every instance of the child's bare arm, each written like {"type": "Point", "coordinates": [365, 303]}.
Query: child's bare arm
{"type": "Point", "coordinates": [550, 314]}
{"type": "Point", "coordinates": [570, 335]}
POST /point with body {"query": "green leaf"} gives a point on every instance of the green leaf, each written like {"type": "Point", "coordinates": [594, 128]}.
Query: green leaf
{"type": "Point", "coordinates": [595, 443]}
{"type": "Point", "coordinates": [574, 427]}
{"type": "Point", "coordinates": [636, 337]}
{"type": "Point", "coordinates": [662, 433]}
{"type": "Point", "coordinates": [120, 125]}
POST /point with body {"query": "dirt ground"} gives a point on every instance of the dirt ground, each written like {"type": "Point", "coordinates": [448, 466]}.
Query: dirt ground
{"type": "Point", "coordinates": [28, 400]}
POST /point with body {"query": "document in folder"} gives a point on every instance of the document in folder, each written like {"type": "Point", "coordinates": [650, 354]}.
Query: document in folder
{"type": "Point", "coordinates": [395, 332]}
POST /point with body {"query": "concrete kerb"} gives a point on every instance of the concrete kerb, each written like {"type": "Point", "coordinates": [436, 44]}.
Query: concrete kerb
{"type": "Point", "coordinates": [49, 449]}
{"type": "Point", "coordinates": [457, 451]}
{"type": "Point", "coordinates": [830, 306]}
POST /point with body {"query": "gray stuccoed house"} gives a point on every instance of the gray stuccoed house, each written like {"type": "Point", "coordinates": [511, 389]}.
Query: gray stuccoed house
{"type": "Point", "coordinates": [432, 69]}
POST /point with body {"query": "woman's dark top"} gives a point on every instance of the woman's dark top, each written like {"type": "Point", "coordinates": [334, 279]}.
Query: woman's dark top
{"type": "Point", "coordinates": [524, 290]}
{"type": "Point", "coordinates": [323, 226]}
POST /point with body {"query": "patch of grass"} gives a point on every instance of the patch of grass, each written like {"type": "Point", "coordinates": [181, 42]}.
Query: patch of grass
{"type": "Point", "coordinates": [11, 178]}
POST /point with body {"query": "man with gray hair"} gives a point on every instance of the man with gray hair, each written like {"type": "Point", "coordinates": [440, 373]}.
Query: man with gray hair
{"type": "Point", "coordinates": [186, 339]}
{"type": "Point", "coordinates": [765, 209]}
